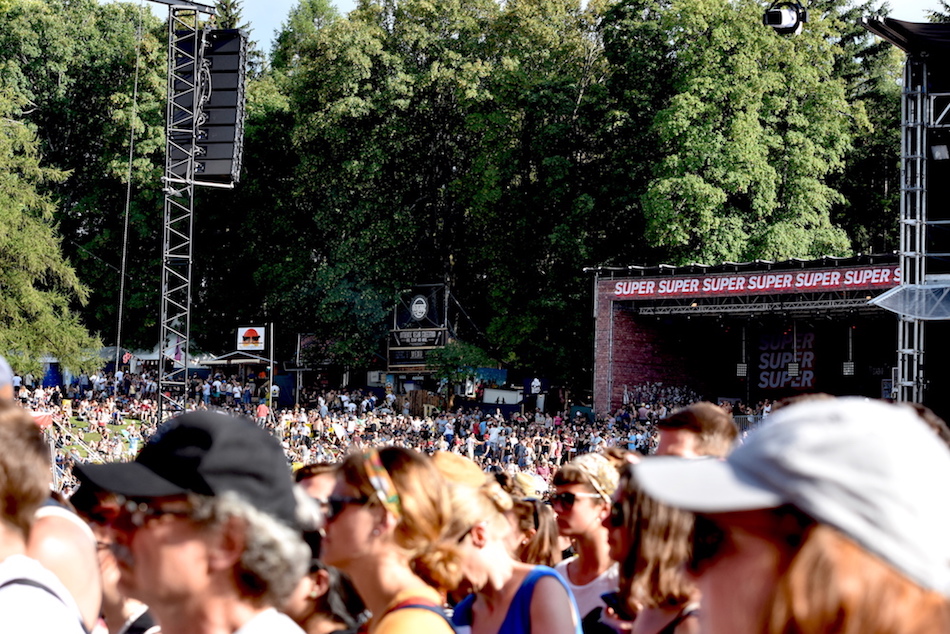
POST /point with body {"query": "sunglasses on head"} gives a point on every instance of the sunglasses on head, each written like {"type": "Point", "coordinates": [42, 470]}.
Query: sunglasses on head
{"type": "Point", "coordinates": [566, 500]}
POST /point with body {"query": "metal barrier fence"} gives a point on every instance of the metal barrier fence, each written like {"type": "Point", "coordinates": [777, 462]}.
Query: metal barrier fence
{"type": "Point", "coordinates": [748, 423]}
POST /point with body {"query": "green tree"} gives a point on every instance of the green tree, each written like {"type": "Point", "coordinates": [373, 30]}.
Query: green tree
{"type": "Point", "coordinates": [755, 125]}
{"type": "Point", "coordinates": [38, 283]}
{"type": "Point", "coordinates": [92, 74]}
{"type": "Point", "coordinates": [502, 148]}
{"type": "Point", "coordinates": [227, 15]}
{"type": "Point", "coordinates": [870, 181]}
{"type": "Point", "coordinates": [456, 363]}
{"type": "Point", "coordinates": [300, 32]}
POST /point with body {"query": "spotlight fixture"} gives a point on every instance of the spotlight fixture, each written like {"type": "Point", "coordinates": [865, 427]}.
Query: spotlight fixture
{"type": "Point", "coordinates": [787, 18]}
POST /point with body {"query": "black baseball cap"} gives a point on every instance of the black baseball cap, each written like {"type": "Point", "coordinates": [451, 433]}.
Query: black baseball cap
{"type": "Point", "coordinates": [206, 453]}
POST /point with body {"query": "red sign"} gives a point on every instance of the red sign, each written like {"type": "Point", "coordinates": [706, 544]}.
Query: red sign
{"type": "Point", "coordinates": [43, 420]}
{"type": "Point", "coordinates": [760, 283]}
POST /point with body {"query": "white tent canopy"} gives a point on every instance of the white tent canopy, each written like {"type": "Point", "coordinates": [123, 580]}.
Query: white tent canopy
{"type": "Point", "coordinates": [237, 358]}
{"type": "Point", "coordinates": [917, 301]}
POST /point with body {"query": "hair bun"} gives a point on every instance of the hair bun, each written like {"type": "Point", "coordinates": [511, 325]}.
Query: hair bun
{"type": "Point", "coordinates": [498, 496]}
{"type": "Point", "coordinates": [439, 565]}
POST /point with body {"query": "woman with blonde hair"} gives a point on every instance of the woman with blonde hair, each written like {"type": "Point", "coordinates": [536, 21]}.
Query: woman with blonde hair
{"type": "Point", "coordinates": [387, 528]}
{"type": "Point", "coordinates": [508, 596]}
{"type": "Point", "coordinates": [533, 538]}
{"type": "Point", "coordinates": [819, 522]}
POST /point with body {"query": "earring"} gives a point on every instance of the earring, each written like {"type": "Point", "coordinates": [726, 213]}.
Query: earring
{"type": "Point", "coordinates": [313, 594]}
{"type": "Point", "coordinates": [375, 532]}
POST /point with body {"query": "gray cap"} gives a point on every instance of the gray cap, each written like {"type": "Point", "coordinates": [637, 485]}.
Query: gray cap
{"type": "Point", "coordinates": [870, 469]}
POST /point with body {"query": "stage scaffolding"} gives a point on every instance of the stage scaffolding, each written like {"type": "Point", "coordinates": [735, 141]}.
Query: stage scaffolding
{"type": "Point", "coordinates": [203, 140]}
{"type": "Point", "coordinates": [924, 292]}
{"type": "Point", "coordinates": [181, 121]}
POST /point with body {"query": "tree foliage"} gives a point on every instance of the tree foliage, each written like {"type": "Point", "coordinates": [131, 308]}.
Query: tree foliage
{"type": "Point", "coordinates": [455, 363]}
{"type": "Point", "coordinates": [38, 283]}
{"type": "Point", "coordinates": [228, 15]}
{"type": "Point", "coordinates": [756, 125]}
{"type": "Point", "coordinates": [93, 76]}
{"type": "Point", "coordinates": [496, 148]}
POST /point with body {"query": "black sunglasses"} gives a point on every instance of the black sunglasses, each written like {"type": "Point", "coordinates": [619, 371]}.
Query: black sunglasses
{"type": "Point", "coordinates": [534, 507]}
{"type": "Point", "coordinates": [566, 500]}
{"type": "Point", "coordinates": [617, 514]}
{"type": "Point", "coordinates": [335, 504]}
{"type": "Point", "coordinates": [708, 540]}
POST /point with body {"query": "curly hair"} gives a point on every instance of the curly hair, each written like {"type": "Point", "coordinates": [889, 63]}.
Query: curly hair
{"type": "Point", "coordinates": [275, 556]}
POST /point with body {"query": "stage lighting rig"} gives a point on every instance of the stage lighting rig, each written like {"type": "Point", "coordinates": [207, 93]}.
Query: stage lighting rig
{"type": "Point", "coordinates": [787, 18]}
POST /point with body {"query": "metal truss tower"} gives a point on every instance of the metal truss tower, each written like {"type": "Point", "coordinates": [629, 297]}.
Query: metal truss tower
{"type": "Point", "coordinates": [204, 131]}
{"type": "Point", "coordinates": [181, 127]}
{"type": "Point", "coordinates": [915, 118]}
{"type": "Point", "coordinates": [924, 291]}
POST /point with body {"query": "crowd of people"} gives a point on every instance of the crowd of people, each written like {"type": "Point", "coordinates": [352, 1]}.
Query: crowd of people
{"type": "Point", "coordinates": [817, 521]}
{"type": "Point", "coordinates": [328, 424]}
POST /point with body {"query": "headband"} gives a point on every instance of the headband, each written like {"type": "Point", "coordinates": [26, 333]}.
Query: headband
{"type": "Point", "coordinates": [382, 483]}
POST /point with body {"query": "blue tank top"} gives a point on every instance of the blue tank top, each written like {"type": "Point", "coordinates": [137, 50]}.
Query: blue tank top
{"type": "Point", "coordinates": [518, 618]}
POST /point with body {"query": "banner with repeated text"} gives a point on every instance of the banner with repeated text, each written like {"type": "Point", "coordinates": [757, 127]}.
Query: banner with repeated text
{"type": "Point", "coordinates": [758, 283]}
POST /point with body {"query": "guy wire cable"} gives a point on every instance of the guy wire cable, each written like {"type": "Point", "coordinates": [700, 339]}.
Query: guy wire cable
{"type": "Point", "coordinates": [128, 188]}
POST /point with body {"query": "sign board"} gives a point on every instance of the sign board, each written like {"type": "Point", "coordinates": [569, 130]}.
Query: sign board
{"type": "Point", "coordinates": [408, 356]}
{"type": "Point", "coordinates": [421, 307]}
{"type": "Point", "coordinates": [417, 337]}
{"type": "Point", "coordinates": [250, 338]}
{"type": "Point", "coordinates": [758, 283]}
{"type": "Point", "coordinates": [419, 325]}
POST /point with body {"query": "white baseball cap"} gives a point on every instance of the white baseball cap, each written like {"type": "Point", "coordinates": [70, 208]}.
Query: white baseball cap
{"type": "Point", "coordinates": [873, 470]}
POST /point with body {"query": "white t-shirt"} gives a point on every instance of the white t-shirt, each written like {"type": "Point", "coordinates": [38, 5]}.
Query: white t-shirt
{"type": "Point", "coordinates": [26, 609]}
{"type": "Point", "coordinates": [588, 595]}
{"type": "Point", "coordinates": [270, 621]}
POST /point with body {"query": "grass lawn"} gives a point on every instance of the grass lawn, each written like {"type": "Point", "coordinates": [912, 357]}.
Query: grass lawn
{"type": "Point", "coordinates": [115, 431]}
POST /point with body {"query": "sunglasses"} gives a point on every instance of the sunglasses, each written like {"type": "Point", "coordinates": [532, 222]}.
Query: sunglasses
{"type": "Point", "coordinates": [336, 504]}
{"type": "Point", "coordinates": [708, 540]}
{"type": "Point", "coordinates": [534, 507]}
{"type": "Point", "coordinates": [785, 525]}
{"type": "Point", "coordinates": [566, 500]}
{"type": "Point", "coordinates": [138, 513]}
{"type": "Point", "coordinates": [617, 515]}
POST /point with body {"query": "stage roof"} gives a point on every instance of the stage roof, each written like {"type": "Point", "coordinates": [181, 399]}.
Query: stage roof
{"type": "Point", "coordinates": [821, 286]}
{"type": "Point", "coordinates": [914, 38]}
{"type": "Point", "coordinates": [755, 265]}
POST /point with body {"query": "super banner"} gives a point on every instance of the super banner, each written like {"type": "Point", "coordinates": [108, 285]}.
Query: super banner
{"type": "Point", "coordinates": [810, 281]}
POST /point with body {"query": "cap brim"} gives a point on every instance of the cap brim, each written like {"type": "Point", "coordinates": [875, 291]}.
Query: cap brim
{"type": "Point", "coordinates": [703, 485]}
{"type": "Point", "coordinates": [131, 479]}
